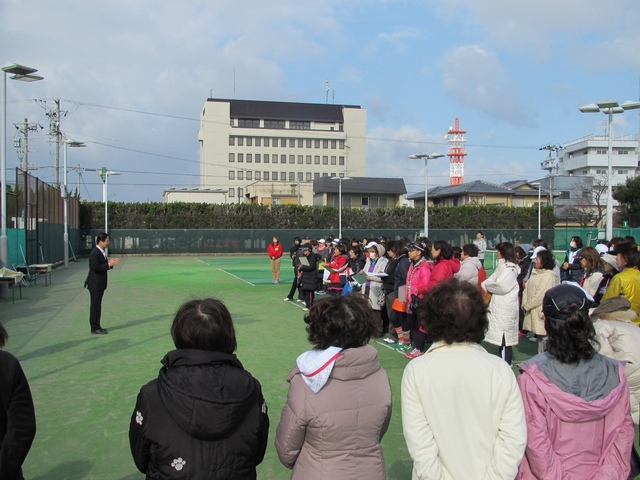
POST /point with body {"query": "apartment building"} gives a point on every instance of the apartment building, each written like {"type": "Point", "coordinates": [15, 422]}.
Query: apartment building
{"type": "Point", "coordinates": [248, 141]}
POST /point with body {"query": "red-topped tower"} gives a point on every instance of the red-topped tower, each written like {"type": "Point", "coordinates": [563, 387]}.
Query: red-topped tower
{"type": "Point", "coordinates": [456, 138]}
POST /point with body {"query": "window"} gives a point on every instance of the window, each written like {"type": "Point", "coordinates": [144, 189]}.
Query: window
{"type": "Point", "coordinates": [316, 159]}
{"type": "Point", "coordinates": [232, 175]}
{"type": "Point", "coordinates": [257, 141]}
{"type": "Point", "coordinates": [240, 157]}
{"type": "Point", "coordinates": [292, 143]}
{"type": "Point", "coordinates": [232, 157]}
{"type": "Point", "coordinates": [325, 174]}
{"type": "Point", "coordinates": [308, 158]}
{"type": "Point", "coordinates": [274, 124]}
{"type": "Point", "coordinates": [240, 175]}
{"type": "Point", "coordinates": [266, 141]}
{"type": "Point", "coordinates": [601, 172]}
{"type": "Point", "coordinates": [240, 192]}
{"type": "Point", "coordinates": [249, 157]}
{"type": "Point", "coordinates": [622, 152]}
{"type": "Point", "coordinates": [265, 175]}
{"type": "Point", "coordinates": [283, 159]}
{"type": "Point", "coordinates": [308, 142]}
{"type": "Point", "coordinates": [316, 144]}
{"type": "Point", "coordinates": [308, 176]}
{"type": "Point", "coordinates": [325, 143]}
{"type": "Point", "coordinates": [333, 144]}
{"type": "Point", "coordinates": [333, 159]}
{"type": "Point", "coordinates": [300, 143]}
{"type": "Point", "coordinates": [601, 152]}
{"type": "Point", "coordinates": [340, 160]}
{"type": "Point", "coordinates": [249, 123]}
{"type": "Point", "coordinates": [232, 141]}
{"type": "Point", "coordinates": [240, 141]}
{"type": "Point", "coordinates": [283, 142]}
{"type": "Point", "coordinates": [377, 202]}
{"type": "Point", "coordinates": [258, 158]}
{"type": "Point", "coordinates": [341, 144]}
{"type": "Point", "coordinates": [258, 174]}
{"type": "Point", "coordinates": [274, 142]}
{"type": "Point", "coordinates": [283, 176]}
{"type": "Point", "coordinates": [249, 141]}
{"type": "Point", "coordinates": [292, 159]}
{"type": "Point", "coordinates": [316, 175]}
{"type": "Point", "coordinates": [274, 176]}
{"type": "Point", "coordinates": [621, 172]}
{"type": "Point", "coordinates": [292, 176]}
{"type": "Point", "coordinates": [249, 175]}
{"type": "Point", "coordinates": [299, 125]}
{"type": "Point", "coordinates": [364, 202]}
{"type": "Point", "coordinates": [232, 192]}
{"type": "Point", "coordinates": [276, 201]}
{"type": "Point", "coordinates": [300, 176]}
{"type": "Point", "coordinates": [325, 160]}
{"type": "Point", "coordinates": [300, 159]}
{"type": "Point", "coordinates": [266, 158]}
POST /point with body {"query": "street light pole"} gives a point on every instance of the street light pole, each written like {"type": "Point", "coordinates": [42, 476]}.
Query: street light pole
{"type": "Point", "coordinates": [24, 74]}
{"type": "Point", "coordinates": [65, 197]}
{"type": "Point", "coordinates": [539, 201]}
{"type": "Point", "coordinates": [340, 179]}
{"type": "Point", "coordinates": [426, 157]}
{"type": "Point", "coordinates": [104, 173]}
{"type": "Point", "coordinates": [609, 107]}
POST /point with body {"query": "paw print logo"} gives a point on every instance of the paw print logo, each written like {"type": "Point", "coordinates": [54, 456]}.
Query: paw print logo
{"type": "Point", "coordinates": [139, 418]}
{"type": "Point", "coordinates": [178, 463]}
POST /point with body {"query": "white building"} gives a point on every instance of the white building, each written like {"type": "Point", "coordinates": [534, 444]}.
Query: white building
{"type": "Point", "coordinates": [244, 141]}
{"type": "Point", "coordinates": [589, 156]}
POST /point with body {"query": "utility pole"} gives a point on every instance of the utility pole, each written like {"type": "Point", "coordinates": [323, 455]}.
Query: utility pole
{"type": "Point", "coordinates": [23, 148]}
{"type": "Point", "coordinates": [551, 166]}
{"type": "Point", "coordinates": [55, 116]}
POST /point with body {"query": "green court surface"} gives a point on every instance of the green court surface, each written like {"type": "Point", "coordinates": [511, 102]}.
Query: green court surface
{"type": "Point", "coordinates": [85, 386]}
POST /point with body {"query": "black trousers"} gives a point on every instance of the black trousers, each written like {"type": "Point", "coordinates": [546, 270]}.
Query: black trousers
{"type": "Point", "coordinates": [295, 286]}
{"type": "Point", "coordinates": [95, 310]}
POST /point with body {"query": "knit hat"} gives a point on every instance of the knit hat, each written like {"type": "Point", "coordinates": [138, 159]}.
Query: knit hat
{"type": "Point", "coordinates": [558, 301]}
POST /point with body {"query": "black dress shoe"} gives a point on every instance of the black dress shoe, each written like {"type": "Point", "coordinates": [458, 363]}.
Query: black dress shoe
{"type": "Point", "coordinates": [100, 331]}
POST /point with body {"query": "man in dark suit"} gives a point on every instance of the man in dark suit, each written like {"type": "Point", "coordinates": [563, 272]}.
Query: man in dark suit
{"type": "Point", "coordinates": [96, 280]}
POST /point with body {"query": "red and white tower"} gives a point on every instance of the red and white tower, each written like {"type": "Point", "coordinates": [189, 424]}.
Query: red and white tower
{"type": "Point", "coordinates": [456, 138]}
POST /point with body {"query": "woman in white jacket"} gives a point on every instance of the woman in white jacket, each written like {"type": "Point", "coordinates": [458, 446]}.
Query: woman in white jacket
{"type": "Point", "coordinates": [376, 264]}
{"type": "Point", "coordinates": [503, 309]}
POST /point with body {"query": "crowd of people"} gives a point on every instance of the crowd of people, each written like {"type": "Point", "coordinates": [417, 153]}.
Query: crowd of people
{"type": "Point", "coordinates": [571, 413]}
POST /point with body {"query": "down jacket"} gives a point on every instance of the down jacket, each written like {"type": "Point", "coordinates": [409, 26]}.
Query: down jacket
{"type": "Point", "coordinates": [540, 281]}
{"type": "Point", "coordinates": [619, 338]}
{"type": "Point", "coordinates": [336, 433]}
{"type": "Point", "coordinates": [418, 280]}
{"type": "Point", "coordinates": [578, 422]}
{"type": "Point", "coordinates": [203, 418]}
{"type": "Point", "coordinates": [443, 270]}
{"type": "Point", "coordinates": [469, 268]}
{"type": "Point", "coordinates": [503, 308]}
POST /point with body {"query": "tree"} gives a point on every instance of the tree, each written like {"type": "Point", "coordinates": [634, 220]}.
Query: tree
{"type": "Point", "coordinates": [628, 195]}
{"type": "Point", "coordinates": [590, 205]}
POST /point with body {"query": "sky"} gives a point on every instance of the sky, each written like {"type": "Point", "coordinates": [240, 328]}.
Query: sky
{"type": "Point", "coordinates": [133, 78]}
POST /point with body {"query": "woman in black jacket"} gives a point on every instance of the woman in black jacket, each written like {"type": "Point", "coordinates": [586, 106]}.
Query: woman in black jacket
{"type": "Point", "coordinates": [204, 417]}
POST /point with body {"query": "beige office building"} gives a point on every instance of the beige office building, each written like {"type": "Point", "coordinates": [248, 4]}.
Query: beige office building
{"type": "Point", "coordinates": [245, 141]}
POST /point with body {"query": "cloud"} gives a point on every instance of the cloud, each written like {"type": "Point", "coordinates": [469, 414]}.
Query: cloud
{"type": "Point", "coordinates": [475, 78]}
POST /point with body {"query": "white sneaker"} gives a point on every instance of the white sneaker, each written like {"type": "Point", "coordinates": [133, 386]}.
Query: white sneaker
{"type": "Point", "coordinates": [301, 301]}
{"type": "Point", "coordinates": [305, 309]}
{"type": "Point", "coordinates": [287, 299]}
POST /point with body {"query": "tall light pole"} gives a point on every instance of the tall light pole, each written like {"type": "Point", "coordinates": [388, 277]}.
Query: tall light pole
{"type": "Point", "coordinates": [24, 74]}
{"type": "Point", "coordinates": [65, 197]}
{"type": "Point", "coordinates": [104, 174]}
{"type": "Point", "coordinates": [609, 107]}
{"type": "Point", "coordinates": [427, 157]}
{"type": "Point", "coordinates": [296, 185]}
{"type": "Point", "coordinates": [340, 179]}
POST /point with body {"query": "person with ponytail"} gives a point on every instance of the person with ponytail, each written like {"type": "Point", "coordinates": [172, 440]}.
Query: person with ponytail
{"type": "Point", "coordinates": [576, 400]}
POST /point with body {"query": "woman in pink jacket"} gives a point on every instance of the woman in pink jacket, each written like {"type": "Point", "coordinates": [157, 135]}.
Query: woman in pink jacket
{"type": "Point", "coordinates": [576, 401]}
{"type": "Point", "coordinates": [339, 402]}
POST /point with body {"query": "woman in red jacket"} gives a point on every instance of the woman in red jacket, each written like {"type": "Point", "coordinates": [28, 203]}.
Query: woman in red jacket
{"type": "Point", "coordinates": [275, 252]}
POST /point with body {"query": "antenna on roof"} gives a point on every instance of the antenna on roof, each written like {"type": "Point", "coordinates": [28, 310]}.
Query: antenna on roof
{"type": "Point", "coordinates": [326, 90]}
{"type": "Point", "coordinates": [333, 96]}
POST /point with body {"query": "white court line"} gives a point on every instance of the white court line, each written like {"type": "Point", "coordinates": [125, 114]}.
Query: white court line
{"type": "Point", "coordinates": [242, 279]}
{"type": "Point", "coordinates": [202, 261]}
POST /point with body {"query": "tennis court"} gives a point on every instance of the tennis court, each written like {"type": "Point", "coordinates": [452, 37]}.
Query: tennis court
{"type": "Point", "coordinates": [85, 386]}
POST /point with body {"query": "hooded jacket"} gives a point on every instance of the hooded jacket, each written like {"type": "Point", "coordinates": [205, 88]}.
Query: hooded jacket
{"type": "Point", "coordinates": [541, 280]}
{"type": "Point", "coordinates": [336, 433]}
{"type": "Point", "coordinates": [469, 268]}
{"type": "Point", "coordinates": [578, 422]}
{"type": "Point", "coordinates": [418, 277]}
{"type": "Point", "coordinates": [204, 417]}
